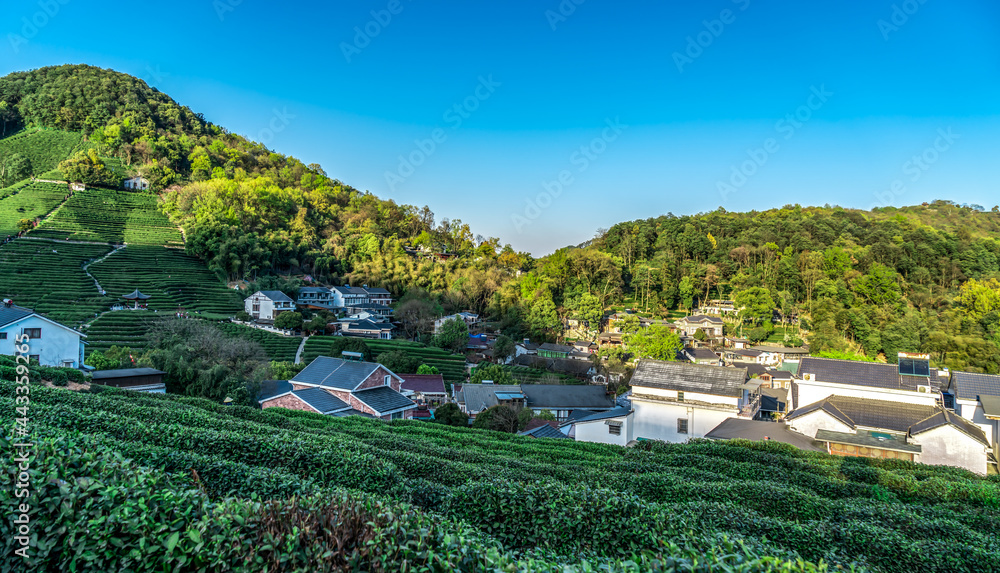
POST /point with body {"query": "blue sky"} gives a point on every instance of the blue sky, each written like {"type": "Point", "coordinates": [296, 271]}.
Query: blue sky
{"type": "Point", "coordinates": [573, 115]}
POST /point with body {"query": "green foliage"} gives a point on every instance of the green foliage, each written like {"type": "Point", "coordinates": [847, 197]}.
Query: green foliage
{"type": "Point", "coordinates": [843, 355]}
{"type": "Point", "coordinates": [14, 168]}
{"type": "Point", "coordinates": [87, 167]}
{"type": "Point", "coordinates": [285, 370]}
{"type": "Point", "coordinates": [755, 304]}
{"type": "Point", "coordinates": [114, 358]}
{"type": "Point", "coordinates": [104, 215]}
{"type": "Point", "coordinates": [453, 335]}
{"type": "Point", "coordinates": [451, 415]}
{"type": "Point", "coordinates": [399, 362]}
{"type": "Point", "coordinates": [424, 369]}
{"type": "Point", "coordinates": [26, 202]}
{"type": "Point", "coordinates": [495, 372]}
{"type": "Point", "coordinates": [503, 348]}
{"type": "Point", "coordinates": [656, 341]}
{"type": "Point", "coordinates": [42, 149]}
{"type": "Point", "coordinates": [288, 320]}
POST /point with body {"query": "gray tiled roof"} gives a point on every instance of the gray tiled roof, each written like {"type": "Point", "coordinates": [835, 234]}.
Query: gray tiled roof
{"type": "Point", "coordinates": [866, 440]}
{"type": "Point", "coordinates": [617, 412]}
{"type": "Point", "coordinates": [335, 373]}
{"type": "Point", "coordinates": [313, 289]}
{"type": "Point", "coordinates": [870, 374]}
{"type": "Point", "coordinates": [556, 347]}
{"type": "Point", "coordinates": [9, 314]}
{"type": "Point", "coordinates": [970, 386]}
{"type": "Point", "coordinates": [384, 399]}
{"type": "Point", "coordinates": [702, 318]}
{"type": "Point", "coordinates": [124, 373]}
{"type": "Point", "coordinates": [276, 295]}
{"type": "Point", "coordinates": [273, 388]}
{"type": "Point", "coordinates": [882, 414]}
{"type": "Point", "coordinates": [568, 396]}
{"type": "Point", "coordinates": [699, 378]}
{"type": "Point", "coordinates": [824, 405]}
{"type": "Point", "coordinates": [323, 401]}
{"type": "Point", "coordinates": [478, 397]}
{"type": "Point", "coordinates": [991, 406]}
{"type": "Point", "coordinates": [736, 428]}
{"type": "Point", "coordinates": [945, 418]}
{"type": "Point", "coordinates": [701, 353]}
{"type": "Point", "coordinates": [545, 431]}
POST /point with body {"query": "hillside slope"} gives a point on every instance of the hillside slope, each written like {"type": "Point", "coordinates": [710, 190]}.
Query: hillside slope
{"type": "Point", "coordinates": [219, 482]}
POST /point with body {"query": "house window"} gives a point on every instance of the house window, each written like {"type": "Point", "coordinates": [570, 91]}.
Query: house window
{"type": "Point", "coordinates": [3, 336]}
{"type": "Point", "coordinates": [396, 416]}
{"type": "Point", "coordinates": [682, 425]}
{"type": "Point", "coordinates": [256, 307]}
{"type": "Point", "coordinates": [680, 396]}
{"type": "Point", "coordinates": [615, 429]}
{"type": "Point", "coordinates": [33, 333]}
{"type": "Point", "coordinates": [386, 380]}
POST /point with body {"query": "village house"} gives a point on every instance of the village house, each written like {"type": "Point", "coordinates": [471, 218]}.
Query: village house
{"type": "Point", "coordinates": [976, 397]}
{"type": "Point", "coordinates": [266, 305]}
{"type": "Point", "coordinates": [581, 368]}
{"type": "Point", "coordinates": [700, 356]}
{"type": "Point", "coordinates": [347, 299]}
{"type": "Point", "coordinates": [470, 319]}
{"type": "Point", "coordinates": [866, 427]}
{"type": "Point", "coordinates": [563, 399]}
{"type": "Point", "coordinates": [675, 401]}
{"type": "Point", "coordinates": [148, 380]}
{"type": "Point", "coordinates": [49, 343]}
{"type": "Point", "coordinates": [543, 429]}
{"type": "Point", "coordinates": [336, 386]}
{"type": "Point", "coordinates": [608, 427]}
{"type": "Point", "coordinates": [690, 325]}
{"type": "Point", "coordinates": [476, 398]}
{"type": "Point", "coordinates": [912, 381]}
{"type": "Point", "coordinates": [549, 350]}
{"type": "Point", "coordinates": [428, 388]}
{"type": "Point", "coordinates": [366, 328]}
{"type": "Point", "coordinates": [777, 355]}
{"type": "Point", "coordinates": [136, 184]}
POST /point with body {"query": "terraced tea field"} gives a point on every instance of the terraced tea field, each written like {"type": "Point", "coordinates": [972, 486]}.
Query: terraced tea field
{"type": "Point", "coordinates": [122, 328]}
{"type": "Point", "coordinates": [44, 148]}
{"type": "Point", "coordinates": [173, 279]}
{"type": "Point", "coordinates": [111, 216]}
{"type": "Point", "coordinates": [451, 366]}
{"type": "Point", "coordinates": [49, 278]}
{"type": "Point", "coordinates": [28, 201]}
{"type": "Point", "coordinates": [277, 347]}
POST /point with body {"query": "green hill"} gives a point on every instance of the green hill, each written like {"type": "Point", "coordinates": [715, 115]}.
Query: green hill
{"type": "Point", "coordinates": [44, 148]}
{"type": "Point", "coordinates": [209, 486]}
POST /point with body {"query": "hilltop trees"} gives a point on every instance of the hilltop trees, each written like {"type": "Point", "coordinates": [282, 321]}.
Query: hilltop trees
{"type": "Point", "coordinates": [453, 335]}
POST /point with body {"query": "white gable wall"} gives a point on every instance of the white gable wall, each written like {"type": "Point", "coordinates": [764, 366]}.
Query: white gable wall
{"type": "Point", "coordinates": [972, 411]}
{"type": "Point", "coordinates": [810, 423]}
{"type": "Point", "coordinates": [597, 431]}
{"type": "Point", "coordinates": [949, 446]}
{"type": "Point", "coordinates": [58, 345]}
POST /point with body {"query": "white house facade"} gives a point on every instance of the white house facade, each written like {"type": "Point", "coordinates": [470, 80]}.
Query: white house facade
{"type": "Point", "coordinates": [266, 305]}
{"type": "Point", "coordinates": [136, 183]}
{"type": "Point", "coordinates": [611, 427]}
{"type": "Point", "coordinates": [50, 343]}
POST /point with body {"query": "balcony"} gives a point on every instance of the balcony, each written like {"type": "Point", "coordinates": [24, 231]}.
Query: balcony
{"type": "Point", "coordinates": [750, 410]}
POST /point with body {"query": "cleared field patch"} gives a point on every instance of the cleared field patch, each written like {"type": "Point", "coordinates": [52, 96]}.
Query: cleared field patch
{"type": "Point", "coordinates": [122, 328]}
{"type": "Point", "coordinates": [49, 278]}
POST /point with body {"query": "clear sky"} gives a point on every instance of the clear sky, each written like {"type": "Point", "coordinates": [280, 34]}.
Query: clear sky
{"type": "Point", "coordinates": [573, 115]}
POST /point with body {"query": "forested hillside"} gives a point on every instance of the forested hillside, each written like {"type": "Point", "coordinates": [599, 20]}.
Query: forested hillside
{"type": "Point", "coordinates": [870, 283]}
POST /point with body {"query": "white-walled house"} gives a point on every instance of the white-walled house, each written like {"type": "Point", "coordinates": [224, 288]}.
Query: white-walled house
{"type": "Point", "coordinates": [820, 378]}
{"type": "Point", "coordinates": [977, 399]}
{"type": "Point", "coordinates": [674, 401]}
{"type": "Point", "coordinates": [470, 318]}
{"type": "Point", "coordinates": [136, 183]}
{"type": "Point", "coordinates": [864, 427]}
{"type": "Point", "coordinates": [266, 305]}
{"type": "Point", "coordinates": [610, 427]}
{"type": "Point", "coordinates": [50, 343]}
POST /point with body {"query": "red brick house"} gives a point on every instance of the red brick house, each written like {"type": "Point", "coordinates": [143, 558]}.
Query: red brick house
{"type": "Point", "coordinates": [338, 387]}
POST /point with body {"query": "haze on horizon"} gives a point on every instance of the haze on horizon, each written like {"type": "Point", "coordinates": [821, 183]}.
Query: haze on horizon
{"type": "Point", "coordinates": [541, 122]}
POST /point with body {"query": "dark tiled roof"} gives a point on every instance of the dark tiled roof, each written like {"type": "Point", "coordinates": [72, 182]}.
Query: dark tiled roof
{"type": "Point", "coordinates": [276, 295]}
{"type": "Point", "coordinates": [870, 374]}
{"type": "Point", "coordinates": [736, 428]}
{"type": "Point", "coordinates": [753, 368]}
{"type": "Point", "coordinates": [779, 374]}
{"type": "Point", "coordinates": [377, 291]}
{"type": "Point", "coordinates": [384, 399]}
{"type": "Point", "coordinates": [556, 347]}
{"type": "Point", "coordinates": [702, 318]}
{"type": "Point", "coordinates": [335, 373]}
{"type": "Point", "coordinates": [883, 414]}
{"type": "Point", "coordinates": [423, 383]}
{"type": "Point", "coordinates": [535, 422]}
{"type": "Point", "coordinates": [568, 396]}
{"type": "Point", "coordinates": [699, 378]}
{"type": "Point", "coordinates": [613, 413]}
{"type": "Point", "coordinates": [701, 353]}
{"type": "Point", "coordinates": [9, 314]}
{"type": "Point", "coordinates": [970, 386]}
{"type": "Point", "coordinates": [824, 405]}
{"type": "Point", "coordinates": [545, 431]}
{"type": "Point", "coordinates": [323, 401]}
{"type": "Point", "coordinates": [780, 349]}
{"type": "Point", "coordinates": [314, 289]}
{"type": "Point", "coordinates": [273, 388]}
{"type": "Point", "coordinates": [991, 406]}
{"type": "Point", "coordinates": [478, 397]}
{"type": "Point", "coordinates": [866, 440]}
{"type": "Point", "coordinates": [578, 414]}
{"type": "Point", "coordinates": [124, 373]}
{"type": "Point", "coordinates": [352, 412]}
{"type": "Point", "coordinates": [946, 418]}
{"type": "Point", "coordinates": [565, 365]}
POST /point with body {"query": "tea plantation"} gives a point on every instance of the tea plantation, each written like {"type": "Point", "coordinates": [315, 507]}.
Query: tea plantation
{"type": "Point", "coordinates": [44, 148]}
{"type": "Point", "coordinates": [48, 277]}
{"type": "Point", "coordinates": [122, 328]}
{"type": "Point", "coordinates": [277, 347]}
{"type": "Point", "coordinates": [173, 279]}
{"type": "Point", "coordinates": [110, 216]}
{"type": "Point", "coordinates": [28, 201]}
{"type": "Point", "coordinates": [451, 366]}
{"type": "Point", "coordinates": [138, 482]}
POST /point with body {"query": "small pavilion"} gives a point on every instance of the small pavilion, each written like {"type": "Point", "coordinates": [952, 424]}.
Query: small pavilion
{"type": "Point", "coordinates": [135, 296]}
